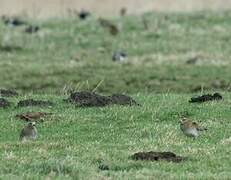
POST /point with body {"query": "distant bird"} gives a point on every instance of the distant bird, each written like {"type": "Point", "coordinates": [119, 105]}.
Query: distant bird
{"type": "Point", "coordinates": [123, 11]}
{"type": "Point", "coordinates": [119, 56]}
{"type": "Point", "coordinates": [83, 14]}
{"type": "Point", "coordinates": [29, 132]}
{"type": "Point", "coordinates": [192, 60]}
{"type": "Point", "coordinates": [112, 28]}
{"type": "Point", "coordinates": [32, 29]}
{"type": "Point", "coordinates": [13, 21]}
{"type": "Point", "coordinates": [145, 23]}
{"type": "Point", "coordinates": [190, 128]}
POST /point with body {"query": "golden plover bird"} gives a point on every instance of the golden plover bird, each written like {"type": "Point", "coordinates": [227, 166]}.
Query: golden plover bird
{"type": "Point", "coordinates": [190, 128]}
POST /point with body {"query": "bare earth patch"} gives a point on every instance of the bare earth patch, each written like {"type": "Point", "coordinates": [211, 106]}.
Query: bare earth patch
{"type": "Point", "coordinates": [32, 102]}
{"type": "Point", "coordinates": [7, 93]}
{"type": "Point", "coordinates": [4, 103]}
{"type": "Point", "coordinates": [156, 156]}
{"type": "Point", "coordinates": [90, 99]}
{"type": "Point", "coordinates": [206, 97]}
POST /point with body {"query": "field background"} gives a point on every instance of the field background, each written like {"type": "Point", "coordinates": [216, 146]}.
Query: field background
{"type": "Point", "coordinates": [72, 54]}
{"type": "Point", "coordinates": [49, 8]}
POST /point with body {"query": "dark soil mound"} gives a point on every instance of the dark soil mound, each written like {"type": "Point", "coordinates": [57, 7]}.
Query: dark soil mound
{"type": "Point", "coordinates": [91, 99]}
{"type": "Point", "coordinates": [33, 116]}
{"type": "Point", "coordinates": [122, 100]}
{"type": "Point", "coordinates": [4, 103]}
{"type": "Point", "coordinates": [6, 48]}
{"type": "Point", "coordinates": [7, 93]}
{"type": "Point", "coordinates": [206, 97]}
{"type": "Point", "coordinates": [32, 102]}
{"type": "Point", "coordinates": [88, 99]}
{"type": "Point", "coordinates": [156, 156]}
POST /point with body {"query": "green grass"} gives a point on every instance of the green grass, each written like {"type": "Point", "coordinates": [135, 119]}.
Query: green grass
{"type": "Point", "coordinates": [77, 54]}
{"type": "Point", "coordinates": [69, 54]}
{"type": "Point", "coordinates": [74, 142]}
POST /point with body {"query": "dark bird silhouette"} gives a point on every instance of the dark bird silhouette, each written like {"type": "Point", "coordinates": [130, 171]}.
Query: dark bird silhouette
{"type": "Point", "coordinates": [13, 21]}
{"type": "Point", "coordinates": [123, 11]}
{"type": "Point", "coordinates": [83, 14]}
{"type": "Point", "coordinates": [206, 97]}
{"type": "Point", "coordinates": [119, 56]}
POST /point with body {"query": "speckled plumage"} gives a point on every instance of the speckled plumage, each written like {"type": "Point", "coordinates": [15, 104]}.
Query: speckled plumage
{"type": "Point", "coordinates": [190, 128]}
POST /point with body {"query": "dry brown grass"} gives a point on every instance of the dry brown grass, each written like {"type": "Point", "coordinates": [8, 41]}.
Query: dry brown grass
{"type": "Point", "coordinates": [49, 8]}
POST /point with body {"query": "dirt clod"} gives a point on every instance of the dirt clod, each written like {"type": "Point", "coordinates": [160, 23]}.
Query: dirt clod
{"type": "Point", "coordinates": [4, 103]}
{"type": "Point", "coordinates": [7, 93]}
{"type": "Point", "coordinates": [33, 116]}
{"type": "Point", "coordinates": [32, 102]}
{"type": "Point", "coordinates": [103, 167]}
{"type": "Point", "coordinates": [90, 99]}
{"type": "Point", "coordinates": [7, 48]}
{"type": "Point", "coordinates": [206, 97]}
{"type": "Point", "coordinates": [121, 99]}
{"type": "Point", "coordinates": [156, 156]}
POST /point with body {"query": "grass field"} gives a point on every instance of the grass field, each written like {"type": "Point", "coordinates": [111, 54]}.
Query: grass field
{"type": "Point", "coordinates": [77, 54]}
{"type": "Point", "coordinates": [69, 54]}
{"type": "Point", "coordinates": [74, 142]}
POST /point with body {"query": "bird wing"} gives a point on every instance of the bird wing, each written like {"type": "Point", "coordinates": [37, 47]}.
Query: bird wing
{"type": "Point", "coordinates": [24, 132]}
{"type": "Point", "coordinates": [199, 128]}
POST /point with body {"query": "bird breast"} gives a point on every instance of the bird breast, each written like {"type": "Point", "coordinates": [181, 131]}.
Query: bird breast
{"type": "Point", "coordinates": [191, 132]}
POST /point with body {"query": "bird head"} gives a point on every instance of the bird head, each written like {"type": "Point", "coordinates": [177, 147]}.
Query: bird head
{"type": "Point", "coordinates": [31, 124]}
{"type": "Point", "coordinates": [183, 120]}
